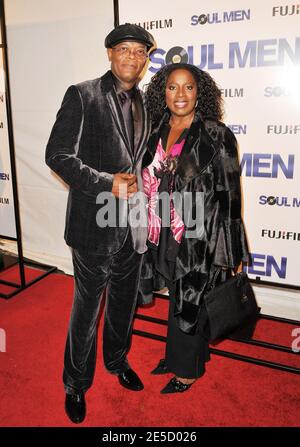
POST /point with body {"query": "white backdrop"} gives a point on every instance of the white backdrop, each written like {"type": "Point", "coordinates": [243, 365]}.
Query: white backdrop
{"type": "Point", "coordinates": [55, 43]}
{"type": "Point", "coordinates": [51, 45]}
{"type": "Point", "coordinates": [252, 49]}
{"type": "Point", "coordinates": [7, 215]}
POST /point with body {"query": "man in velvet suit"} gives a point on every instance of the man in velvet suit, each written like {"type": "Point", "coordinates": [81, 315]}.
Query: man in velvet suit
{"type": "Point", "coordinates": [96, 146]}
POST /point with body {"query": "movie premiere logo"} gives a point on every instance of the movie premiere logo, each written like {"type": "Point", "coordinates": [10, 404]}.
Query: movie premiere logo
{"type": "Point", "coordinates": [249, 54]}
{"type": "Point", "coordinates": [267, 165]}
{"type": "Point", "coordinates": [277, 92]}
{"type": "Point", "coordinates": [220, 17]}
{"type": "Point", "coordinates": [284, 201]}
{"type": "Point", "coordinates": [288, 10]}
{"type": "Point", "coordinates": [238, 129]}
{"type": "Point", "coordinates": [279, 234]}
{"type": "Point", "coordinates": [283, 129]}
{"type": "Point", "coordinates": [156, 24]}
{"type": "Point", "coordinates": [4, 176]}
{"type": "Point", "coordinates": [232, 92]}
{"type": "Point", "coordinates": [266, 265]}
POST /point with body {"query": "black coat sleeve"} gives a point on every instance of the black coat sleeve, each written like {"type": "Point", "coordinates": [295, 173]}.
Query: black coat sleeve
{"type": "Point", "coordinates": [231, 247]}
{"type": "Point", "coordinates": [62, 148]}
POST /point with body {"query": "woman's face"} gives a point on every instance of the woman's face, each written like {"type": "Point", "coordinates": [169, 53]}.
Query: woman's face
{"type": "Point", "coordinates": [181, 92]}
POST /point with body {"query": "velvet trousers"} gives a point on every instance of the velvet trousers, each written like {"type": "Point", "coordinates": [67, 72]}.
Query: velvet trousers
{"type": "Point", "coordinates": [119, 275]}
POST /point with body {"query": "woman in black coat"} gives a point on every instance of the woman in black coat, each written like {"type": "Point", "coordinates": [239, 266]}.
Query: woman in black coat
{"type": "Point", "coordinates": [191, 155]}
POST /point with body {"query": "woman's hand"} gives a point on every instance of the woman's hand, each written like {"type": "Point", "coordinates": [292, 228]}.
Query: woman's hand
{"type": "Point", "coordinates": [235, 270]}
{"type": "Point", "coordinates": [238, 269]}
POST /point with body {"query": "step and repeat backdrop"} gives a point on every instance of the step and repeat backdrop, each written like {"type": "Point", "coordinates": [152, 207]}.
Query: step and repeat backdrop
{"type": "Point", "coordinates": [7, 216]}
{"type": "Point", "coordinates": [252, 50]}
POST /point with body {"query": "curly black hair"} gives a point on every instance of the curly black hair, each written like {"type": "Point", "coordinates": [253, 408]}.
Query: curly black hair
{"type": "Point", "coordinates": [210, 101]}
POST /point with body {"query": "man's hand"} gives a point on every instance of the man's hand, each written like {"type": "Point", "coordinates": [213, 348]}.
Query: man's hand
{"type": "Point", "coordinates": [124, 185]}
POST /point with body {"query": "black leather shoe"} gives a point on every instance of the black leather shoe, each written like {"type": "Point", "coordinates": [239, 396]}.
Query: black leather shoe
{"type": "Point", "coordinates": [130, 380]}
{"type": "Point", "coordinates": [75, 407]}
{"type": "Point", "coordinates": [175, 386]}
{"type": "Point", "coordinates": [161, 368]}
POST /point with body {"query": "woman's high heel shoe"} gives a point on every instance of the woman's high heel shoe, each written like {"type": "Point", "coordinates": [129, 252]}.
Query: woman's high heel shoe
{"type": "Point", "coordinates": [161, 368]}
{"type": "Point", "coordinates": [176, 386]}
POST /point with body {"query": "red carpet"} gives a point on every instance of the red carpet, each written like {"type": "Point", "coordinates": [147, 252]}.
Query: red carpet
{"type": "Point", "coordinates": [232, 393]}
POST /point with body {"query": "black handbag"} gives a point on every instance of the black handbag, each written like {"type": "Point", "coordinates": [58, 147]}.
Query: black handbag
{"type": "Point", "coordinates": [230, 305]}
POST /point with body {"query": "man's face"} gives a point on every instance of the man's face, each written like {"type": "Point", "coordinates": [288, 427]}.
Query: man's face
{"type": "Point", "coordinates": [127, 60]}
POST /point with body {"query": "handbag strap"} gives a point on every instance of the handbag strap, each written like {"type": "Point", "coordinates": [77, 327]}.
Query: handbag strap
{"type": "Point", "coordinates": [215, 276]}
{"type": "Point", "coordinates": [212, 283]}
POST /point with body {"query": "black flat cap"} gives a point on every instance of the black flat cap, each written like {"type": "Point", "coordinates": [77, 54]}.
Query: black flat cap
{"type": "Point", "coordinates": [129, 31]}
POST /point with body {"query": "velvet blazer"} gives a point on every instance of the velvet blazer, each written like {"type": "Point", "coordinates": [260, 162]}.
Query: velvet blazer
{"type": "Point", "coordinates": [209, 164]}
{"type": "Point", "coordinates": [87, 145]}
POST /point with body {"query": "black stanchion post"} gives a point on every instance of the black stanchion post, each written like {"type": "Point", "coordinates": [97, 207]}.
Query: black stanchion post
{"type": "Point", "coordinates": [12, 145]}
{"type": "Point", "coordinates": [49, 269]}
{"type": "Point", "coordinates": [116, 13]}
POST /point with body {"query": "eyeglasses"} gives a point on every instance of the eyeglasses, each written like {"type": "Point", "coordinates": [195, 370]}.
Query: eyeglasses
{"type": "Point", "coordinates": [139, 53]}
